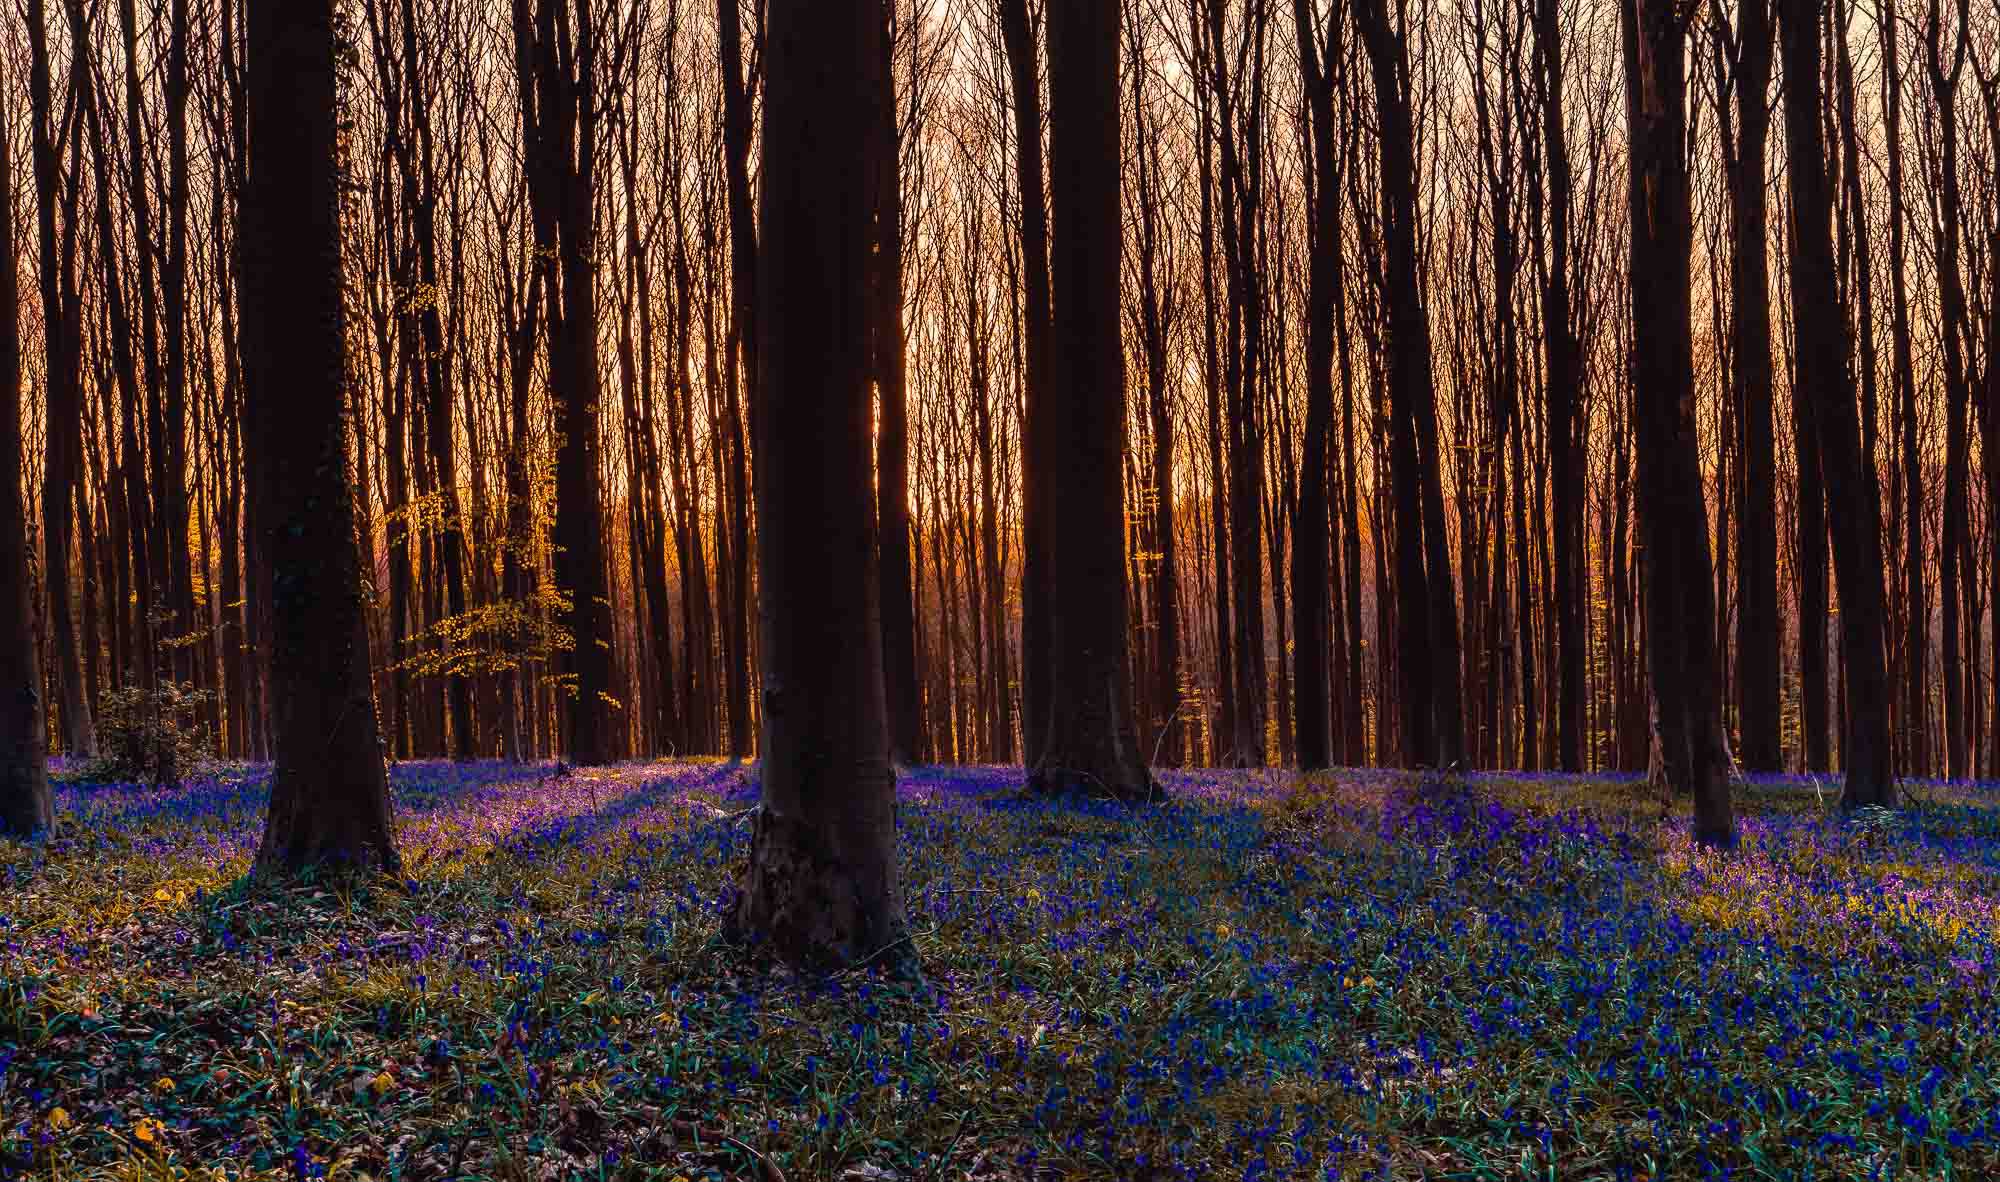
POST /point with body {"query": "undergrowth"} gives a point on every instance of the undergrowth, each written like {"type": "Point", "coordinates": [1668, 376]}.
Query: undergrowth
{"type": "Point", "coordinates": [1349, 976]}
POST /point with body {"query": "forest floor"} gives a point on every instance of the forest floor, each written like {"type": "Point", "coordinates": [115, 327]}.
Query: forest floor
{"type": "Point", "coordinates": [1357, 975]}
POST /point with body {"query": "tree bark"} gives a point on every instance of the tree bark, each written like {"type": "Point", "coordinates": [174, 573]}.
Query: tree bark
{"type": "Point", "coordinates": [1024, 73]}
{"type": "Point", "coordinates": [329, 786]}
{"type": "Point", "coordinates": [822, 888]}
{"type": "Point", "coordinates": [1824, 379]}
{"type": "Point", "coordinates": [1758, 626]}
{"type": "Point", "coordinates": [892, 445]}
{"type": "Point", "coordinates": [1426, 609]}
{"type": "Point", "coordinates": [1309, 544]}
{"type": "Point", "coordinates": [1679, 593]}
{"type": "Point", "coordinates": [559, 58]}
{"type": "Point", "coordinates": [1091, 744]}
{"type": "Point", "coordinates": [26, 806]}
{"type": "Point", "coordinates": [62, 335]}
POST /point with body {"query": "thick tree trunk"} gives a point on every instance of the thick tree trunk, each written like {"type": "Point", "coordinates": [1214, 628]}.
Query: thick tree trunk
{"type": "Point", "coordinates": [329, 787]}
{"type": "Point", "coordinates": [1679, 593]}
{"type": "Point", "coordinates": [822, 888]}
{"type": "Point", "coordinates": [1091, 747]}
{"type": "Point", "coordinates": [1823, 379]}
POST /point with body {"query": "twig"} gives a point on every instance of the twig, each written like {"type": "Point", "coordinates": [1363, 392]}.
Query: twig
{"type": "Point", "coordinates": [771, 1171]}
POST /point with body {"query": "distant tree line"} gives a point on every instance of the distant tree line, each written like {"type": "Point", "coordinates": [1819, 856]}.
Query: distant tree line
{"type": "Point", "coordinates": [1421, 452]}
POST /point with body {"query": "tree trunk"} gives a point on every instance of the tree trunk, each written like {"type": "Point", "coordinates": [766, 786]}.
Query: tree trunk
{"type": "Point", "coordinates": [1037, 524]}
{"type": "Point", "coordinates": [1168, 731]}
{"type": "Point", "coordinates": [1758, 622]}
{"type": "Point", "coordinates": [62, 333]}
{"type": "Point", "coordinates": [1902, 365]}
{"type": "Point", "coordinates": [1679, 593]}
{"type": "Point", "coordinates": [560, 160]}
{"type": "Point", "coordinates": [26, 806]}
{"type": "Point", "coordinates": [1091, 744]}
{"type": "Point", "coordinates": [1426, 609]}
{"type": "Point", "coordinates": [329, 787]}
{"type": "Point", "coordinates": [1309, 533]}
{"type": "Point", "coordinates": [822, 888]}
{"type": "Point", "coordinates": [899, 625]}
{"type": "Point", "coordinates": [1824, 379]}
{"type": "Point", "coordinates": [1564, 376]}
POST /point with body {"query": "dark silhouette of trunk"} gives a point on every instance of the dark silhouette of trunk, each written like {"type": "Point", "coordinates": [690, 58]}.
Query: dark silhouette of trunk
{"type": "Point", "coordinates": [822, 887]}
{"type": "Point", "coordinates": [166, 392]}
{"type": "Point", "coordinates": [1091, 744]}
{"type": "Point", "coordinates": [62, 337]}
{"type": "Point", "coordinates": [1903, 379]}
{"type": "Point", "coordinates": [743, 330]}
{"type": "Point", "coordinates": [1353, 728]}
{"type": "Point", "coordinates": [1426, 606]}
{"type": "Point", "coordinates": [1813, 601]}
{"type": "Point", "coordinates": [990, 593]}
{"type": "Point", "coordinates": [1858, 273]}
{"type": "Point", "coordinates": [1156, 311]}
{"type": "Point", "coordinates": [1240, 183]}
{"type": "Point", "coordinates": [1037, 516]}
{"type": "Point", "coordinates": [1825, 381]}
{"type": "Point", "coordinates": [1679, 591]}
{"type": "Point", "coordinates": [558, 51]}
{"type": "Point", "coordinates": [420, 201]}
{"type": "Point", "coordinates": [1309, 545]}
{"type": "Point", "coordinates": [1564, 378]}
{"type": "Point", "coordinates": [892, 445]}
{"type": "Point", "coordinates": [1943, 67]}
{"type": "Point", "coordinates": [26, 806]}
{"type": "Point", "coordinates": [1757, 615]}
{"type": "Point", "coordinates": [124, 362]}
{"type": "Point", "coordinates": [1218, 493]}
{"type": "Point", "coordinates": [329, 787]}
